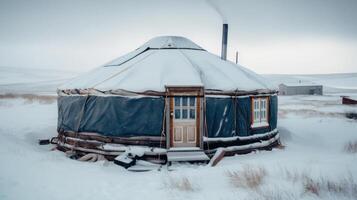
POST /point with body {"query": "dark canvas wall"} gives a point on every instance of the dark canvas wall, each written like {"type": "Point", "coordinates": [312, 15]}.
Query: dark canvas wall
{"type": "Point", "coordinates": [69, 109]}
{"type": "Point", "coordinates": [121, 116]}
{"type": "Point", "coordinates": [273, 112]}
{"type": "Point", "coordinates": [112, 116]}
{"type": "Point", "coordinates": [227, 117]}
{"type": "Point", "coordinates": [220, 117]}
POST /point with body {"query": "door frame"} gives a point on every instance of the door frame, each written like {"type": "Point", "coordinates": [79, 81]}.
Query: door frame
{"type": "Point", "coordinates": [171, 92]}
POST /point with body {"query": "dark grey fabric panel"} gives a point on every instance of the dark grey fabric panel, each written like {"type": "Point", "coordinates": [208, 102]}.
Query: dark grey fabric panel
{"type": "Point", "coordinates": [121, 116]}
{"type": "Point", "coordinates": [69, 109]}
{"type": "Point", "coordinates": [236, 121]}
{"type": "Point", "coordinates": [114, 116]}
{"type": "Point", "coordinates": [220, 117]}
{"type": "Point", "coordinates": [273, 120]}
{"type": "Point", "coordinates": [243, 110]}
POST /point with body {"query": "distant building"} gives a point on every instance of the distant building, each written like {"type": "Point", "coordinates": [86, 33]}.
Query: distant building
{"type": "Point", "coordinates": [300, 89]}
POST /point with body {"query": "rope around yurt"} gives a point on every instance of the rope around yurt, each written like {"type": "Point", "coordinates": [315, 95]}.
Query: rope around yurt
{"type": "Point", "coordinates": [235, 111]}
{"type": "Point", "coordinates": [205, 124]}
{"type": "Point", "coordinates": [163, 125]}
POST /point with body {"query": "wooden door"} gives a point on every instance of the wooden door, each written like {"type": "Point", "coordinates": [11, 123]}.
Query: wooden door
{"type": "Point", "coordinates": [184, 132]}
{"type": "Point", "coordinates": [183, 118]}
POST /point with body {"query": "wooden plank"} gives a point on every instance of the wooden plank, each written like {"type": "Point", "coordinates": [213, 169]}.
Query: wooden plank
{"type": "Point", "coordinates": [237, 142]}
{"type": "Point", "coordinates": [251, 111]}
{"type": "Point", "coordinates": [148, 141]}
{"type": "Point", "coordinates": [167, 122]}
{"type": "Point", "coordinates": [218, 156]}
{"type": "Point", "coordinates": [161, 157]}
{"type": "Point", "coordinates": [198, 120]}
{"type": "Point", "coordinates": [171, 121]}
{"type": "Point", "coordinates": [268, 109]}
{"type": "Point", "coordinates": [185, 90]}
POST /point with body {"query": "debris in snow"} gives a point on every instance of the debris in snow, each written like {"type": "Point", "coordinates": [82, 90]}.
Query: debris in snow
{"type": "Point", "coordinates": [92, 157]}
{"type": "Point", "coordinates": [125, 160]}
{"type": "Point", "coordinates": [128, 158]}
{"type": "Point", "coordinates": [136, 150]}
{"type": "Point", "coordinates": [72, 155]}
{"type": "Point", "coordinates": [351, 115]}
{"type": "Point", "coordinates": [44, 142]}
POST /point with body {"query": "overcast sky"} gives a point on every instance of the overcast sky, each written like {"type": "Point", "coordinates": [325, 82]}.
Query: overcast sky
{"type": "Point", "coordinates": [272, 36]}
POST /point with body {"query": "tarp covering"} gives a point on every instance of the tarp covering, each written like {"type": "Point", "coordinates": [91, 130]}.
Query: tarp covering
{"type": "Point", "coordinates": [112, 116]}
{"type": "Point", "coordinates": [273, 112]}
{"type": "Point", "coordinates": [220, 117]}
{"type": "Point", "coordinates": [69, 109]}
{"type": "Point", "coordinates": [227, 117]}
{"type": "Point", "coordinates": [122, 116]}
{"type": "Point", "coordinates": [243, 109]}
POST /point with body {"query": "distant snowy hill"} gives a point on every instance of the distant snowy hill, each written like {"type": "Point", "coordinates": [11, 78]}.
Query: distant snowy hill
{"type": "Point", "coordinates": [29, 80]}
{"type": "Point", "coordinates": [332, 83]}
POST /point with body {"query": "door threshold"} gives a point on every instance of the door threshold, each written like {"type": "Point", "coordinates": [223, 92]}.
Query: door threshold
{"type": "Point", "coordinates": [184, 149]}
{"type": "Point", "coordinates": [187, 156]}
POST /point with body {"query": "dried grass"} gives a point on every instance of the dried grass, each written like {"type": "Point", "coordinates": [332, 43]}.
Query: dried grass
{"type": "Point", "coordinates": [351, 147]}
{"type": "Point", "coordinates": [280, 145]}
{"type": "Point", "coordinates": [30, 98]}
{"type": "Point", "coordinates": [320, 186]}
{"type": "Point", "coordinates": [249, 177]}
{"type": "Point", "coordinates": [345, 186]}
{"type": "Point", "coordinates": [182, 184]}
{"type": "Point", "coordinates": [311, 186]}
{"type": "Point", "coordinates": [294, 176]}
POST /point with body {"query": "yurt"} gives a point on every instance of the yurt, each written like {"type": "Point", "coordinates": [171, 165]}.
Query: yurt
{"type": "Point", "coordinates": [169, 100]}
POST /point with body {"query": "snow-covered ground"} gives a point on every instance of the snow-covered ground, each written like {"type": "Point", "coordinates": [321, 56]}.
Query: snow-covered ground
{"type": "Point", "coordinates": [313, 129]}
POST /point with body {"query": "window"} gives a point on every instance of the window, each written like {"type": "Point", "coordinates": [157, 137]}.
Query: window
{"type": "Point", "coordinates": [260, 112]}
{"type": "Point", "coordinates": [185, 108]}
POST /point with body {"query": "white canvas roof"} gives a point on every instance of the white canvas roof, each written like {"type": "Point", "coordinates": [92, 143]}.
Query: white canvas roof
{"type": "Point", "coordinates": [169, 61]}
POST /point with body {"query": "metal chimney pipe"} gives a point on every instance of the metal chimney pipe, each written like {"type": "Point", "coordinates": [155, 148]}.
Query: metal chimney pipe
{"type": "Point", "coordinates": [224, 42]}
{"type": "Point", "coordinates": [236, 57]}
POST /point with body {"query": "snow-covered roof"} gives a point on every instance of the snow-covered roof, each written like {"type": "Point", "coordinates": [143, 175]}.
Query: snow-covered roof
{"type": "Point", "coordinates": [169, 61]}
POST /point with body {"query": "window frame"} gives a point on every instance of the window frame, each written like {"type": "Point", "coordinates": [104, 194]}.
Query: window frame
{"type": "Point", "coordinates": [257, 120]}
{"type": "Point", "coordinates": [188, 107]}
